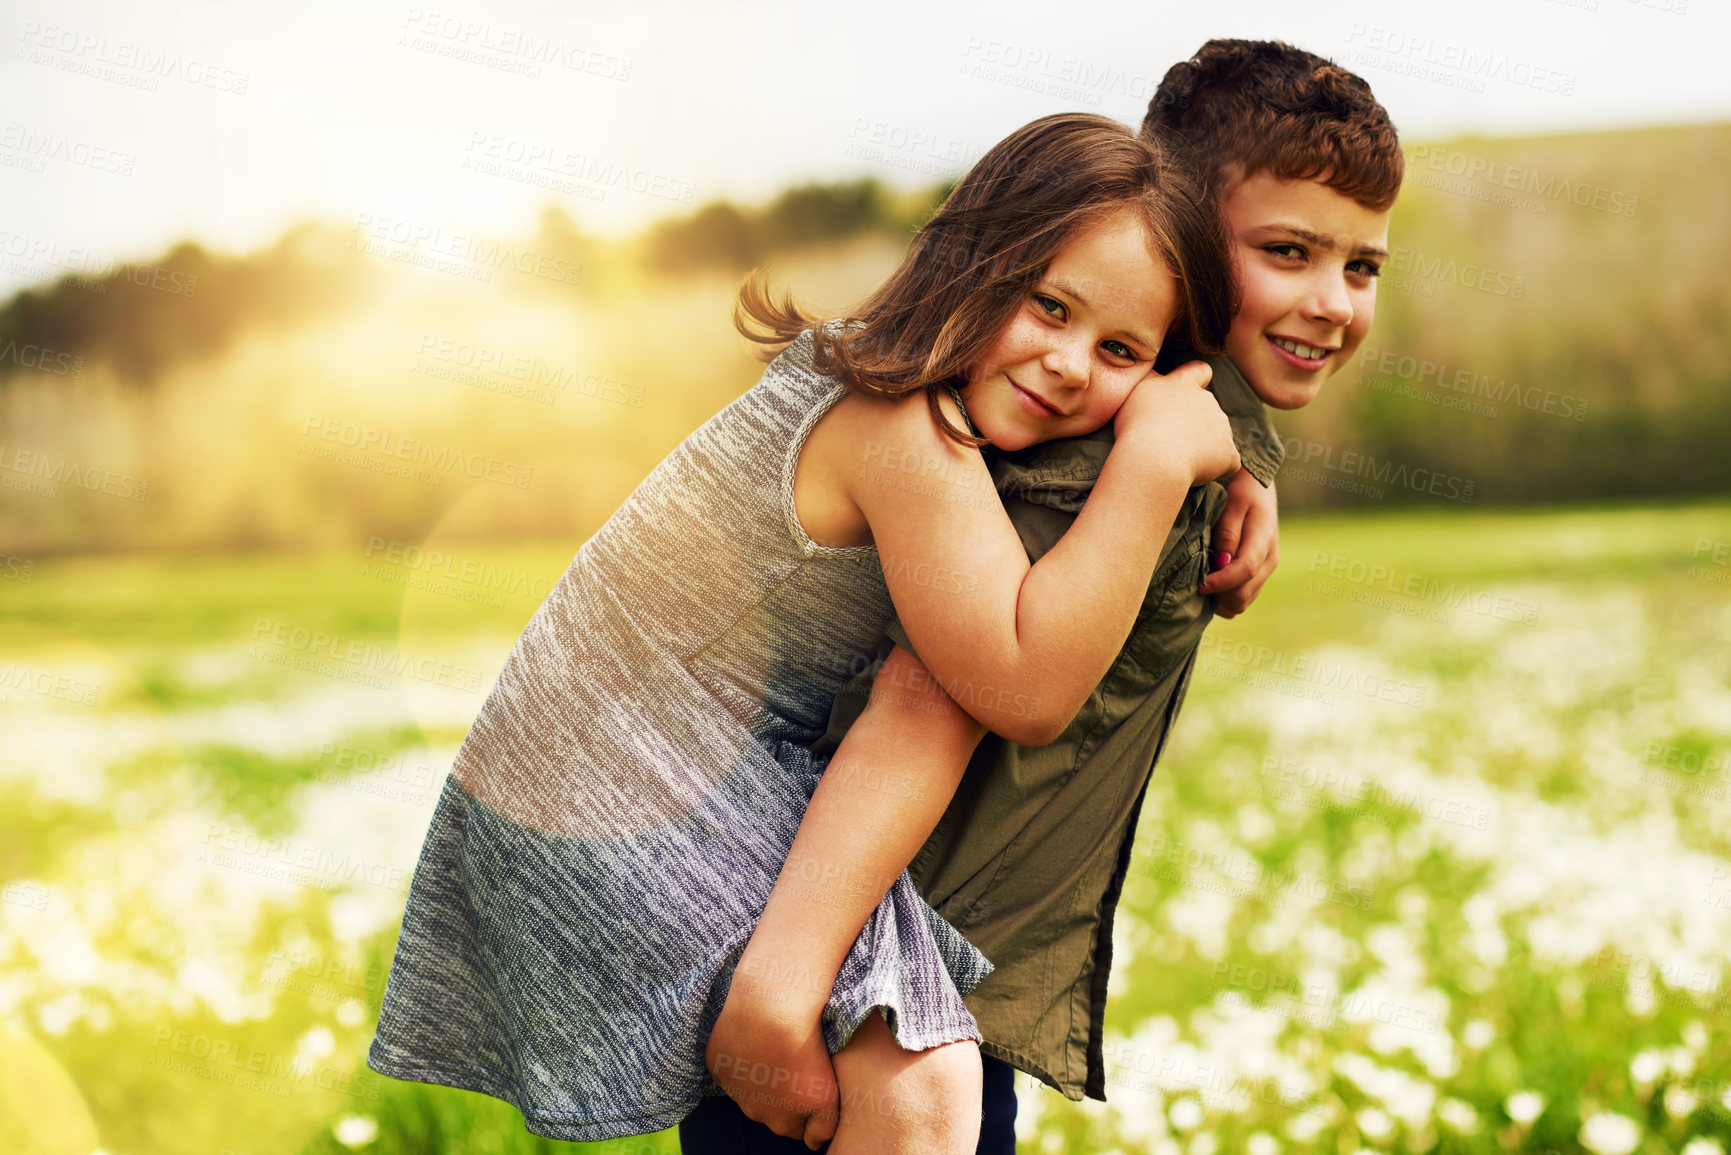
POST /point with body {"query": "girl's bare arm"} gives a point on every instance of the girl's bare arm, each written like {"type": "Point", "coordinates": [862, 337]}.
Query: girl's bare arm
{"type": "Point", "coordinates": [879, 799]}
{"type": "Point", "coordinates": [881, 795]}
{"type": "Point", "coordinates": [1018, 646]}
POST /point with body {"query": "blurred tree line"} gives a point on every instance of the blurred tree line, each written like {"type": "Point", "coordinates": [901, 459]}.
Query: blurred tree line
{"type": "Point", "coordinates": [1554, 323]}
{"type": "Point", "coordinates": [722, 235]}
{"type": "Point", "coordinates": [144, 317]}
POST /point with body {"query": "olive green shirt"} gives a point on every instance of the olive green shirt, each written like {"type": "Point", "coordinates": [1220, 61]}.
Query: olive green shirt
{"type": "Point", "coordinates": [1029, 859]}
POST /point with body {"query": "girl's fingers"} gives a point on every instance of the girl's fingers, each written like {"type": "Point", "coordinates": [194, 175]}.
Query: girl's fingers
{"type": "Point", "coordinates": [820, 1127]}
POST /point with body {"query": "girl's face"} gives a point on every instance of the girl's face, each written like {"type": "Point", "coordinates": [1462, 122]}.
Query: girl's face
{"type": "Point", "coordinates": [1087, 332]}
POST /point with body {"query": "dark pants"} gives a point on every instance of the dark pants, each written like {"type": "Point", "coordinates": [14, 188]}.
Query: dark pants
{"type": "Point", "coordinates": [719, 1127]}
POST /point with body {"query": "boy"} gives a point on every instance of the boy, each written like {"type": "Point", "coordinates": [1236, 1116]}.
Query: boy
{"type": "Point", "coordinates": [1029, 857]}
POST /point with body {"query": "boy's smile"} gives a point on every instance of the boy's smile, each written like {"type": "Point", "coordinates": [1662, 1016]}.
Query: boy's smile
{"type": "Point", "coordinates": [1307, 258]}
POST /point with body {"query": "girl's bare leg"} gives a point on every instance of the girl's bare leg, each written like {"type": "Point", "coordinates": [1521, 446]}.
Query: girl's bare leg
{"type": "Point", "coordinates": [900, 1102]}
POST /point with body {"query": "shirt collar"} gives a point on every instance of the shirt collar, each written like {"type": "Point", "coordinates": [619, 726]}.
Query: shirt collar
{"type": "Point", "coordinates": [1061, 473]}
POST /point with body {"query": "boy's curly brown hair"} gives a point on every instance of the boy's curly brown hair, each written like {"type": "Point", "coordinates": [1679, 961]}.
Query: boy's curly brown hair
{"type": "Point", "coordinates": [1240, 107]}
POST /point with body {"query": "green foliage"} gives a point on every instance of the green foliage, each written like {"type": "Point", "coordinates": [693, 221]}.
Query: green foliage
{"type": "Point", "coordinates": [145, 317]}
{"type": "Point", "coordinates": [721, 235]}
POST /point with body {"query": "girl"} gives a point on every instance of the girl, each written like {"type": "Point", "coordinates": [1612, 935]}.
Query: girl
{"type": "Point", "coordinates": [619, 812]}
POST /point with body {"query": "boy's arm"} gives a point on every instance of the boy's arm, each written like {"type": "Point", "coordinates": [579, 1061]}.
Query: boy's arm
{"type": "Point", "coordinates": [1248, 535]}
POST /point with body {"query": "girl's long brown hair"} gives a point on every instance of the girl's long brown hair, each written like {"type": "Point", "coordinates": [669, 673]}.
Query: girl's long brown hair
{"type": "Point", "coordinates": [972, 264]}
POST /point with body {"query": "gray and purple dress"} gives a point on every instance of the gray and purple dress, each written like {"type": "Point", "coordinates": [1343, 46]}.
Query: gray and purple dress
{"type": "Point", "coordinates": [618, 814]}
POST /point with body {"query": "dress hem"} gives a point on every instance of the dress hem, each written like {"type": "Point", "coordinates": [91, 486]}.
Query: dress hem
{"type": "Point", "coordinates": [463, 1076]}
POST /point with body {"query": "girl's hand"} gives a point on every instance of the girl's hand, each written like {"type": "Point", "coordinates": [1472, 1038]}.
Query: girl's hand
{"type": "Point", "coordinates": [772, 1060]}
{"type": "Point", "coordinates": [1177, 417]}
{"type": "Point", "coordinates": [1247, 536]}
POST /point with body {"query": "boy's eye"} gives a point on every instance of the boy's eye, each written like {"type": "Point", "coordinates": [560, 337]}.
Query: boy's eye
{"type": "Point", "coordinates": [1050, 305]}
{"type": "Point", "coordinates": [1366, 268]}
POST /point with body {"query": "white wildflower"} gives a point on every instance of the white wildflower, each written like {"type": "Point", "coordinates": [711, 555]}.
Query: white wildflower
{"type": "Point", "coordinates": [1608, 1133]}
{"type": "Point", "coordinates": [1646, 1067]}
{"type": "Point", "coordinates": [1459, 1115]}
{"type": "Point", "coordinates": [1525, 1106]}
{"type": "Point", "coordinates": [1375, 1123]}
{"type": "Point", "coordinates": [1478, 1034]}
{"type": "Point", "coordinates": [355, 1130]}
{"type": "Point", "coordinates": [1680, 1102]}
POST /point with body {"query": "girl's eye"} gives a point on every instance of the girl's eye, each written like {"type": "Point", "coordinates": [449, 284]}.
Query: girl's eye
{"type": "Point", "coordinates": [1285, 250]}
{"type": "Point", "coordinates": [1051, 306]}
{"type": "Point", "coordinates": [1366, 268]}
{"type": "Point", "coordinates": [1118, 349]}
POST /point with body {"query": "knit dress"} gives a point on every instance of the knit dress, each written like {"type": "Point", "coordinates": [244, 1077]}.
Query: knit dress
{"type": "Point", "coordinates": [617, 816]}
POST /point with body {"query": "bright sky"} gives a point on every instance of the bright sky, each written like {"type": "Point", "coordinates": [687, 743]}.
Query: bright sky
{"type": "Point", "coordinates": [129, 125]}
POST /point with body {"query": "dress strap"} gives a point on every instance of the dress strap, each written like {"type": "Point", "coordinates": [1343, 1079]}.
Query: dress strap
{"type": "Point", "coordinates": [959, 404]}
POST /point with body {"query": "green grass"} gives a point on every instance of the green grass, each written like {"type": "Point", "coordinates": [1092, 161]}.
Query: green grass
{"type": "Point", "coordinates": [1585, 732]}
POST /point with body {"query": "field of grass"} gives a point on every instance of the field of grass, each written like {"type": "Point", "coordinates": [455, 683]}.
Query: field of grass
{"type": "Point", "coordinates": [1439, 858]}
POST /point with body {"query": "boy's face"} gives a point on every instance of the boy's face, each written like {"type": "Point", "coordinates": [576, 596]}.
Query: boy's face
{"type": "Point", "coordinates": [1307, 259]}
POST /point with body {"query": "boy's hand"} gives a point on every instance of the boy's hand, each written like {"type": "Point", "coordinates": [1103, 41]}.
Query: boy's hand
{"type": "Point", "coordinates": [1176, 417]}
{"type": "Point", "coordinates": [771, 1059]}
{"type": "Point", "coordinates": [1248, 537]}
